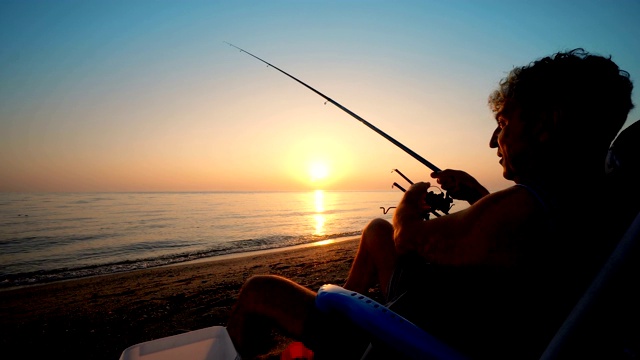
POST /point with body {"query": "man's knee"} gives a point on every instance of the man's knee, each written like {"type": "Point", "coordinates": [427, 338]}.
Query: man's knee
{"type": "Point", "coordinates": [271, 289]}
{"type": "Point", "coordinates": [378, 228]}
{"type": "Point", "coordinates": [256, 287]}
{"type": "Point", "coordinates": [260, 283]}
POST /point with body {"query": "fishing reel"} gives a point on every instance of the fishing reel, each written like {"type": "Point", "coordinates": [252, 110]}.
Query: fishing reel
{"type": "Point", "coordinates": [439, 202]}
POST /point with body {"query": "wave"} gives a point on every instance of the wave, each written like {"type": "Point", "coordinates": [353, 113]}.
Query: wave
{"type": "Point", "coordinates": [234, 247]}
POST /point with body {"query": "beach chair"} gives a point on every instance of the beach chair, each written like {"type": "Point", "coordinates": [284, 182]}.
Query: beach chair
{"type": "Point", "coordinates": [392, 335]}
{"type": "Point", "coordinates": [604, 323]}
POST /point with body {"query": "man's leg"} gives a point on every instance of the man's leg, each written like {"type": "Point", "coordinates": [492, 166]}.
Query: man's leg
{"type": "Point", "coordinates": [375, 260]}
{"type": "Point", "coordinates": [265, 301]}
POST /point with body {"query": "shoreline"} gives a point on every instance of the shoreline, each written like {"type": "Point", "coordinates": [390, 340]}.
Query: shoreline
{"type": "Point", "coordinates": [99, 317]}
{"type": "Point", "coordinates": [266, 251]}
{"type": "Point", "coordinates": [202, 260]}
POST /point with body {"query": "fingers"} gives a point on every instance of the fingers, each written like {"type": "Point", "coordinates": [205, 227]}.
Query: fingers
{"type": "Point", "coordinates": [415, 196]}
{"type": "Point", "coordinates": [446, 178]}
{"type": "Point", "coordinates": [419, 187]}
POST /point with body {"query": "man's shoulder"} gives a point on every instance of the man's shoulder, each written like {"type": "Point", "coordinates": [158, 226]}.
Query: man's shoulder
{"type": "Point", "coordinates": [517, 192]}
{"type": "Point", "coordinates": [512, 203]}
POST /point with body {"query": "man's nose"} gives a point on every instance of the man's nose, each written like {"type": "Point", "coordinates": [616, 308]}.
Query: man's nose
{"type": "Point", "coordinates": [493, 142]}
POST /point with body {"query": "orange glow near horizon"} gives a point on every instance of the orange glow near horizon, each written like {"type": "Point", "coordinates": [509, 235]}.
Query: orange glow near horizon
{"type": "Point", "coordinates": [161, 112]}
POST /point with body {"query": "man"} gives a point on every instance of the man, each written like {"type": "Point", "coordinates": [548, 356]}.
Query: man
{"type": "Point", "coordinates": [496, 279]}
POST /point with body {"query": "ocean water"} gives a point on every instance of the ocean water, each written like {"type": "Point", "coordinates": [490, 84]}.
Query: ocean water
{"type": "Point", "coordinates": [48, 237]}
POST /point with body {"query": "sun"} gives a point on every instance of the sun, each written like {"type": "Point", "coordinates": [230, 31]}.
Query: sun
{"type": "Point", "coordinates": [318, 171]}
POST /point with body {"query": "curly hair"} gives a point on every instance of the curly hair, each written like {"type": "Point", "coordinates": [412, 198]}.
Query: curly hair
{"type": "Point", "coordinates": [590, 91]}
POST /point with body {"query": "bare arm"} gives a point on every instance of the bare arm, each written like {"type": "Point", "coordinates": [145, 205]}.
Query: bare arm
{"type": "Point", "coordinates": [487, 232]}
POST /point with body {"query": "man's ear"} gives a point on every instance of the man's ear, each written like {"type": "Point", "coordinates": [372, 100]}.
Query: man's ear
{"type": "Point", "coordinates": [547, 127]}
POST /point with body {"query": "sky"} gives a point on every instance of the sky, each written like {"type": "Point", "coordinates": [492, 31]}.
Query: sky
{"type": "Point", "coordinates": [147, 96]}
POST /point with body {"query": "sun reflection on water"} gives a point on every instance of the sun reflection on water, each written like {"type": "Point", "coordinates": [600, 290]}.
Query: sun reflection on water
{"type": "Point", "coordinates": [318, 216]}
{"type": "Point", "coordinates": [319, 224]}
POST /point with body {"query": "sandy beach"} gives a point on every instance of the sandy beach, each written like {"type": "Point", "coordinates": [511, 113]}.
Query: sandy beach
{"type": "Point", "coordinates": [99, 317]}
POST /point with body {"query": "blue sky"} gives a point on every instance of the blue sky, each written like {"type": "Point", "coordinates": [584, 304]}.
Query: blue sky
{"type": "Point", "coordinates": [146, 96]}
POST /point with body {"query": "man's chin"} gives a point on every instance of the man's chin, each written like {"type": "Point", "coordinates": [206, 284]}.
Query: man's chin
{"type": "Point", "coordinates": [507, 175]}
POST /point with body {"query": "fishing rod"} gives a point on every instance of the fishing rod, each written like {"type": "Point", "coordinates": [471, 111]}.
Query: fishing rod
{"type": "Point", "coordinates": [368, 124]}
{"type": "Point", "coordinates": [442, 200]}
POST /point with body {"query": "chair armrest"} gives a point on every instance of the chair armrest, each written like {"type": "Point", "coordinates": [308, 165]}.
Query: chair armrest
{"type": "Point", "coordinates": [384, 325]}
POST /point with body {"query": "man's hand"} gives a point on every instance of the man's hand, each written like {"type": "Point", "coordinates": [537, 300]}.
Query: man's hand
{"type": "Point", "coordinates": [460, 185]}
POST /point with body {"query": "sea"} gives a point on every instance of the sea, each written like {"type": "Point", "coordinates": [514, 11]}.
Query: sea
{"type": "Point", "coordinates": [46, 237]}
